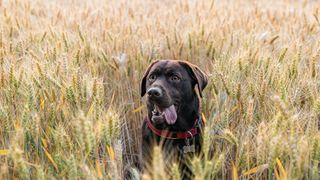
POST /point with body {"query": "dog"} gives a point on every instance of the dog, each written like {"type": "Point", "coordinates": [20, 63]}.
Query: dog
{"type": "Point", "coordinates": [173, 89]}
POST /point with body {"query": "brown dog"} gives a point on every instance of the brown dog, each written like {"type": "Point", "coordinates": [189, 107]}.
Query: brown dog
{"type": "Point", "coordinates": [173, 91]}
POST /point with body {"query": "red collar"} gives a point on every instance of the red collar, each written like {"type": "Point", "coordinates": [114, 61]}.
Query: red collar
{"type": "Point", "coordinates": [173, 134]}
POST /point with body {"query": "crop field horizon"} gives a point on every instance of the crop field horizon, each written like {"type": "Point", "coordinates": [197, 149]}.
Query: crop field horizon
{"type": "Point", "coordinates": [70, 72]}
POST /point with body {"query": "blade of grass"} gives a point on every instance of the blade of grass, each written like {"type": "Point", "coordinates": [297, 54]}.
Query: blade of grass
{"type": "Point", "coordinates": [50, 159]}
{"type": "Point", "coordinates": [4, 152]}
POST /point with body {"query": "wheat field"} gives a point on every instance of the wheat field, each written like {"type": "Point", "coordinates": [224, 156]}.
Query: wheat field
{"type": "Point", "coordinates": [70, 71]}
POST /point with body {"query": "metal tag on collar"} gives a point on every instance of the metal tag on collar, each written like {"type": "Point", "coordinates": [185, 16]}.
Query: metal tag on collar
{"type": "Point", "coordinates": [189, 148]}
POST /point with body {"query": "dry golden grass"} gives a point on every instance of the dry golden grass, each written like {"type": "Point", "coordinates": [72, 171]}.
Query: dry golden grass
{"type": "Point", "coordinates": [70, 74]}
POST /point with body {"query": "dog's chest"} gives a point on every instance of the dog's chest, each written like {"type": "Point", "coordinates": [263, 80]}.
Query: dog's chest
{"type": "Point", "coordinates": [183, 147]}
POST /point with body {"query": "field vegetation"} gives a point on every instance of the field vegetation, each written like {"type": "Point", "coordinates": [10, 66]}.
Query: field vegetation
{"type": "Point", "coordinates": [70, 72]}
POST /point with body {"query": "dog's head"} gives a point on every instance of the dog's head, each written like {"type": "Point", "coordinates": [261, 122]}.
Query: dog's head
{"type": "Point", "coordinates": [171, 86]}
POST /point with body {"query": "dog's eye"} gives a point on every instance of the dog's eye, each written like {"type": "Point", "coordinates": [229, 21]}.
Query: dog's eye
{"type": "Point", "coordinates": [152, 77]}
{"type": "Point", "coordinates": [175, 78]}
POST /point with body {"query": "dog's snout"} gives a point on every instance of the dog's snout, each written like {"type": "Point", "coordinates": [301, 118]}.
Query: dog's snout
{"type": "Point", "coordinates": [155, 92]}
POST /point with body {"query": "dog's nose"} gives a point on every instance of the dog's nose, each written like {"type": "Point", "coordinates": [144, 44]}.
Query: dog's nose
{"type": "Point", "coordinates": [155, 92]}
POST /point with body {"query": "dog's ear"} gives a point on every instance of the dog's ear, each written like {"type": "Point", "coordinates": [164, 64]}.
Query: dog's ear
{"type": "Point", "coordinates": [200, 78]}
{"type": "Point", "coordinates": [144, 79]}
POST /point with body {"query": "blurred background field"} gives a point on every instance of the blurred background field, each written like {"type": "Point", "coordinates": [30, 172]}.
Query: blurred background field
{"type": "Point", "coordinates": [70, 72]}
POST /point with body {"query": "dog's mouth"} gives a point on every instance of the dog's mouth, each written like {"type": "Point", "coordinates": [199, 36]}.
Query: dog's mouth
{"type": "Point", "coordinates": [168, 114]}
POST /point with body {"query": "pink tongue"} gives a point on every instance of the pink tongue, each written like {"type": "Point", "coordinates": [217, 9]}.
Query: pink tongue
{"type": "Point", "coordinates": [170, 114]}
